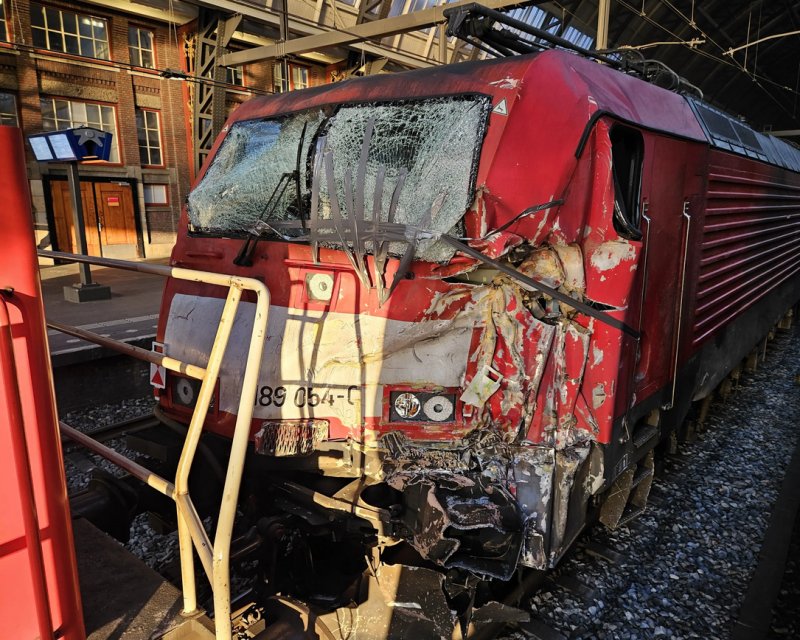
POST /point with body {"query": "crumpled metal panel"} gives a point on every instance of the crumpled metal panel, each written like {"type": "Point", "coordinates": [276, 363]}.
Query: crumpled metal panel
{"type": "Point", "coordinates": [536, 381]}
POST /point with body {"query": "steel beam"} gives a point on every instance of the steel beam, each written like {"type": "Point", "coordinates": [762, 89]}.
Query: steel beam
{"type": "Point", "coordinates": [208, 108]}
{"type": "Point", "coordinates": [603, 13]}
{"type": "Point", "coordinates": [358, 33]}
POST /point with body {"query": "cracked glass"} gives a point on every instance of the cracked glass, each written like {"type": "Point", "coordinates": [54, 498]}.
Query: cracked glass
{"type": "Point", "coordinates": [436, 142]}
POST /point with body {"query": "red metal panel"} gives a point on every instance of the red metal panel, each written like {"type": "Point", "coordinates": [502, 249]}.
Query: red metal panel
{"type": "Point", "coordinates": [750, 242]}
{"type": "Point", "coordinates": [529, 85]}
{"type": "Point", "coordinates": [28, 403]}
{"type": "Point", "coordinates": [528, 158]}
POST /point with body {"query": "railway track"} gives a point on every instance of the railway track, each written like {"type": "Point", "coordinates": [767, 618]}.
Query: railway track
{"type": "Point", "coordinates": [106, 432]}
{"type": "Point", "coordinates": [690, 566]}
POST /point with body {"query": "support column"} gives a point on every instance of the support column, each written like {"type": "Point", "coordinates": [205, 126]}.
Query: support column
{"type": "Point", "coordinates": [603, 13]}
{"type": "Point", "coordinates": [85, 290]}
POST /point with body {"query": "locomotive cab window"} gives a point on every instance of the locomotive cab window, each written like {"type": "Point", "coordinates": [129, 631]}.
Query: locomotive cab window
{"type": "Point", "coordinates": [428, 147]}
{"type": "Point", "coordinates": [627, 154]}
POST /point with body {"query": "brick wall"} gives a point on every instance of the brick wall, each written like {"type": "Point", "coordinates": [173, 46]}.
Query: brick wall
{"type": "Point", "coordinates": [33, 74]}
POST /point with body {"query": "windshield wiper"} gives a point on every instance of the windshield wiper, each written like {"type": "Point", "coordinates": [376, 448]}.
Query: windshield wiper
{"type": "Point", "coordinates": [245, 256]}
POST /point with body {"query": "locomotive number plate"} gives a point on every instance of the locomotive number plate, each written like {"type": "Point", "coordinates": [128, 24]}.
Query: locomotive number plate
{"type": "Point", "coordinates": [268, 396]}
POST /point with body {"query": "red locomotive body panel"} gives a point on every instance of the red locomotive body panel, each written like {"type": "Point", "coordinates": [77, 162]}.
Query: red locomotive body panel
{"type": "Point", "coordinates": [525, 127]}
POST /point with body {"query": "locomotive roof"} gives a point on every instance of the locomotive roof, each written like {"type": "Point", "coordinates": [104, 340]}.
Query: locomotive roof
{"type": "Point", "coordinates": [561, 75]}
{"type": "Point", "coordinates": [562, 78]}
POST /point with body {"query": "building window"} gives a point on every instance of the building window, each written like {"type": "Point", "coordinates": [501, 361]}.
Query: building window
{"type": "Point", "coordinates": [3, 23]}
{"type": "Point", "coordinates": [68, 114]}
{"type": "Point", "coordinates": [68, 32]}
{"type": "Point", "coordinates": [235, 75]}
{"type": "Point", "coordinates": [298, 77]}
{"type": "Point", "coordinates": [156, 195]}
{"type": "Point", "coordinates": [8, 110]}
{"type": "Point", "coordinates": [149, 131]}
{"type": "Point", "coordinates": [140, 47]}
{"type": "Point", "coordinates": [277, 78]}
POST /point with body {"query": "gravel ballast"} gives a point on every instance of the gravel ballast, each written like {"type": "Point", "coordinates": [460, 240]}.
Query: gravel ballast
{"type": "Point", "coordinates": [78, 466]}
{"type": "Point", "coordinates": [687, 561]}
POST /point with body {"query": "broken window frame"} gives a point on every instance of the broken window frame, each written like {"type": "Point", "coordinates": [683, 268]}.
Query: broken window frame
{"type": "Point", "coordinates": [627, 168]}
{"type": "Point", "coordinates": [310, 151]}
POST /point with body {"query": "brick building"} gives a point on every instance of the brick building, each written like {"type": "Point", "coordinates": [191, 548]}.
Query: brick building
{"type": "Point", "coordinates": [150, 73]}
{"type": "Point", "coordinates": [68, 64]}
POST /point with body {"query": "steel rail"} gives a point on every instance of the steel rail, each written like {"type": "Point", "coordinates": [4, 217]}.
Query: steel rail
{"type": "Point", "coordinates": [118, 429]}
{"type": "Point", "coordinates": [215, 557]}
{"type": "Point", "coordinates": [134, 468]}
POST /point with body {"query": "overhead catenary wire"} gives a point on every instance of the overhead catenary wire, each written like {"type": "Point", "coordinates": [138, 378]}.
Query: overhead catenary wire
{"type": "Point", "coordinates": [733, 64]}
{"type": "Point", "coordinates": [754, 76]}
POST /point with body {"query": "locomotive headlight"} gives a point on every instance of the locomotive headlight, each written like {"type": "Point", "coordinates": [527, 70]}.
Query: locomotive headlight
{"type": "Point", "coordinates": [438, 408]}
{"type": "Point", "coordinates": [185, 391]}
{"type": "Point", "coordinates": [319, 286]}
{"type": "Point", "coordinates": [421, 406]}
{"type": "Point", "coordinates": [407, 406]}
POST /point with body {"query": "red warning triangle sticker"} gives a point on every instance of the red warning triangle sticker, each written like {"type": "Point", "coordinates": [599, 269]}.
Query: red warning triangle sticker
{"type": "Point", "coordinates": [157, 374]}
{"type": "Point", "coordinates": [501, 108]}
{"type": "Point", "coordinates": [156, 379]}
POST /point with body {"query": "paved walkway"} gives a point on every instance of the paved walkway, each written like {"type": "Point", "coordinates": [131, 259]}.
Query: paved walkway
{"type": "Point", "coordinates": [130, 315]}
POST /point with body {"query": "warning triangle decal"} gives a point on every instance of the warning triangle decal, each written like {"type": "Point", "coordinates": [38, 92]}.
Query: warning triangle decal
{"type": "Point", "coordinates": [501, 108]}
{"type": "Point", "coordinates": [156, 379]}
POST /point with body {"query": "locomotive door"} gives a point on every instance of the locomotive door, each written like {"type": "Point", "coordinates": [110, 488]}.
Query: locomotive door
{"type": "Point", "coordinates": [664, 232]}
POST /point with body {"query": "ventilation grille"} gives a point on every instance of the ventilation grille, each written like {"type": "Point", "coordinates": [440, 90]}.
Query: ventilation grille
{"type": "Point", "coordinates": [751, 244]}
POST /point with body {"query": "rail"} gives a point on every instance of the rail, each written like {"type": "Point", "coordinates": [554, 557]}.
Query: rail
{"type": "Point", "coordinates": [191, 534]}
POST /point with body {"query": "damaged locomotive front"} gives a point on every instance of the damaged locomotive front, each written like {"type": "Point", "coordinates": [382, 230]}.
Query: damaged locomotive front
{"type": "Point", "coordinates": [436, 377]}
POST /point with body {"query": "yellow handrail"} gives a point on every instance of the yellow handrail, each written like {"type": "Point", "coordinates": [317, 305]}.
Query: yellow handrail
{"type": "Point", "coordinates": [191, 534]}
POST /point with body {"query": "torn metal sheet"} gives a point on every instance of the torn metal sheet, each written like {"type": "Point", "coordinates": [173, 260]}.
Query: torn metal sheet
{"type": "Point", "coordinates": [506, 322]}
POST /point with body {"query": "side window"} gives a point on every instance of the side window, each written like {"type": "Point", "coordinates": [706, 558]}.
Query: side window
{"type": "Point", "coordinates": [627, 154]}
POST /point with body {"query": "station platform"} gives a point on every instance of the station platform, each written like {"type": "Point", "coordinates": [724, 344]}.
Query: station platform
{"type": "Point", "coordinates": [149, 606]}
{"type": "Point", "coordinates": [131, 315]}
{"type": "Point", "coordinates": [85, 374]}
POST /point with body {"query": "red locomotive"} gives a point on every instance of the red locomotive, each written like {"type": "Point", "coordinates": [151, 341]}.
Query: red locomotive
{"type": "Point", "coordinates": [496, 288]}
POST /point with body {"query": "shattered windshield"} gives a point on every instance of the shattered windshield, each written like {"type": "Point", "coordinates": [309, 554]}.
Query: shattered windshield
{"type": "Point", "coordinates": [430, 147]}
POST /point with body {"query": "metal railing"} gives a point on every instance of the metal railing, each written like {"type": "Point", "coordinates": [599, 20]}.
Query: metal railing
{"type": "Point", "coordinates": [191, 534]}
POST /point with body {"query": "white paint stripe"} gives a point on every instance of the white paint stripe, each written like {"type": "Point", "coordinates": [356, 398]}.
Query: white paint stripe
{"type": "Point", "coordinates": [109, 323]}
{"type": "Point", "coordinates": [329, 352]}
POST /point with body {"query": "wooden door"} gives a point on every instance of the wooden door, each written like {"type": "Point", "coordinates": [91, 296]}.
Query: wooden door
{"type": "Point", "coordinates": [62, 215]}
{"type": "Point", "coordinates": [114, 202]}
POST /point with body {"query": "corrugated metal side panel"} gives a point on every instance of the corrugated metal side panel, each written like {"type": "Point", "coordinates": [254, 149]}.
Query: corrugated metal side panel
{"type": "Point", "coordinates": [750, 243]}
